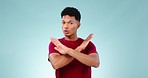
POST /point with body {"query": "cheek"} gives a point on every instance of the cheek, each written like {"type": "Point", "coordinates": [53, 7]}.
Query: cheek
{"type": "Point", "coordinates": [62, 27]}
{"type": "Point", "coordinates": [74, 28]}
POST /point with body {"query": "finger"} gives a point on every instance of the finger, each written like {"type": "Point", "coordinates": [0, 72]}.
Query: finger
{"type": "Point", "coordinates": [89, 37]}
{"type": "Point", "coordinates": [55, 41]}
{"type": "Point", "coordinates": [59, 50]}
{"type": "Point", "coordinates": [55, 48]}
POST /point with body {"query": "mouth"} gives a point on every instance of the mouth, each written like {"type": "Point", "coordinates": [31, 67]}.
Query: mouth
{"type": "Point", "coordinates": [66, 31]}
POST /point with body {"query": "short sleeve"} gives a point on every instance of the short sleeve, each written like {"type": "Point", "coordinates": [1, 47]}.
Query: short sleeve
{"type": "Point", "coordinates": [91, 48]}
{"type": "Point", "coordinates": [51, 48]}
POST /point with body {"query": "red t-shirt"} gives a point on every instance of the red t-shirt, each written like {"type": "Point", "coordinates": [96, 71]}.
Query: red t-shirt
{"type": "Point", "coordinates": [74, 69]}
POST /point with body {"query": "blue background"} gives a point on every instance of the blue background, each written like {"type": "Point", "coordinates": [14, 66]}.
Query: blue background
{"type": "Point", "coordinates": [120, 30]}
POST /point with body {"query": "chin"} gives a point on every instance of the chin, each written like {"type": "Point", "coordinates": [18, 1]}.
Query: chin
{"type": "Point", "coordinates": [67, 35]}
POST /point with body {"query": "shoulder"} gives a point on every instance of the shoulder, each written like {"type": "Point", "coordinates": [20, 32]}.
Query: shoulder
{"type": "Point", "coordinates": [91, 44]}
{"type": "Point", "coordinates": [80, 39]}
{"type": "Point", "coordinates": [60, 39]}
{"type": "Point", "coordinates": [51, 43]}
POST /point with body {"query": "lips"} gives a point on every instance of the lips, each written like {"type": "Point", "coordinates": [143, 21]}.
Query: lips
{"type": "Point", "coordinates": [66, 31]}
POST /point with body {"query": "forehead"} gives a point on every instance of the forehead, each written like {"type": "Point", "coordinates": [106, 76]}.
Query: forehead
{"type": "Point", "coordinates": [68, 18]}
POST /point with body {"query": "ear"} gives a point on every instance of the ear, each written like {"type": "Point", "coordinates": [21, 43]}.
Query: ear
{"type": "Point", "coordinates": [79, 24]}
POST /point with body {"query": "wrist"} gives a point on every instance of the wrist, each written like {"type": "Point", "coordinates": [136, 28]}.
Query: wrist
{"type": "Point", "coordinates": [79, 49]}
{"type": "Point", "coordinates": [69, 50]}
{"type": "Point", "coordinates": [72, 52]}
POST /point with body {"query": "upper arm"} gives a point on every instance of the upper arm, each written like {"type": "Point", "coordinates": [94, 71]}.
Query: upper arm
{"type": "Point", "coordinates": [95, 56]}
{"type": "Point", "coordinates": [52, 52]}
{"type": "Point", "coordinates": [91, 48]}
{"type": "Point", "coordinates": [53, 56]}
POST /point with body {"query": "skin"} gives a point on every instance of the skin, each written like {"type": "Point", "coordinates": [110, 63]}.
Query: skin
{"type": "Point", "coordinates": [69, 27]}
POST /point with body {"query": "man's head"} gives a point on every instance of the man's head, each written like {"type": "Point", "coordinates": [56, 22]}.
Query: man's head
{"type": "Point", "coordinates": [71, 11]}
{"type": "Point", "coordinates": [70, 21]}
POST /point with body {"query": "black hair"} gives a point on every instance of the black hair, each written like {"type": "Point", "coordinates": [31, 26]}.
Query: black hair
{"type": "Point", "coordinates": [71, 11]}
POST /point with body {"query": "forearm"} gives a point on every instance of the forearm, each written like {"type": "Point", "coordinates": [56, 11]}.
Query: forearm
{"type": "Point", "coordinates": [90, 60]}
{"type": "Point", "coordinates": [60, 60]}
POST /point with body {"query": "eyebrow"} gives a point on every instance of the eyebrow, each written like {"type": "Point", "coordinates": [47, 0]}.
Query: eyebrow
{"type": "Point", "coordinates": [68, 21]}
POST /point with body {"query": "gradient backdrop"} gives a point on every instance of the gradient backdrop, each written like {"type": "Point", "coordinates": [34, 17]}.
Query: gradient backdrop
{"type": "Point", "coordinates": [120, 30]}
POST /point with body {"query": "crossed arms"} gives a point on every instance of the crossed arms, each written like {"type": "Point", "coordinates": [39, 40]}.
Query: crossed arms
{"type": "Point", "coordinates": [69, 54]}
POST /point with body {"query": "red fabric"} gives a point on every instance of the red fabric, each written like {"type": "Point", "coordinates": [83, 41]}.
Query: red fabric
{"type": "Point", "coordinates": [74, 69]}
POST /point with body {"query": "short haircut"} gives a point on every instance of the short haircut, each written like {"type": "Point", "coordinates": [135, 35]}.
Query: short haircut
{"type": "Point", "coordinates": [71, 11]}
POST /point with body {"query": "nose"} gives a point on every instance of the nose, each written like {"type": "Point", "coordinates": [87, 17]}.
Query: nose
{"type": "Point", "coordinates": [65, 26]}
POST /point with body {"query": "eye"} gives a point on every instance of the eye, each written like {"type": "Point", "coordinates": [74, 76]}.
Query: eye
{"type": "Point", "coordinates": [63, 22]}
{"type": "Point", "coordinates": [71, 22]}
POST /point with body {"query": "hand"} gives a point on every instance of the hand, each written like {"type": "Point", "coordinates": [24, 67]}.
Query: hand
{"type": "Point", "coordinates": [59, 46]}
{"type": "Point", "coordinates": [85, 43]}
{"type": "Point", "coordinates": [64, 50]}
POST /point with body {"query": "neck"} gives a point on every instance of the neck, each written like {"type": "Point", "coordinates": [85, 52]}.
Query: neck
{"type": "Point", "coordinates": [71, 38]}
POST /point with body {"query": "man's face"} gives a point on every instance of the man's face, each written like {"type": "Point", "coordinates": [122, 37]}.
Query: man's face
{"type": "Point", "coordinates": [69, 25]}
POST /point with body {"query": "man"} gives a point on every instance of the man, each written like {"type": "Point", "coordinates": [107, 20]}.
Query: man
{"type": "Point", "coordinates": [70, 56]}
